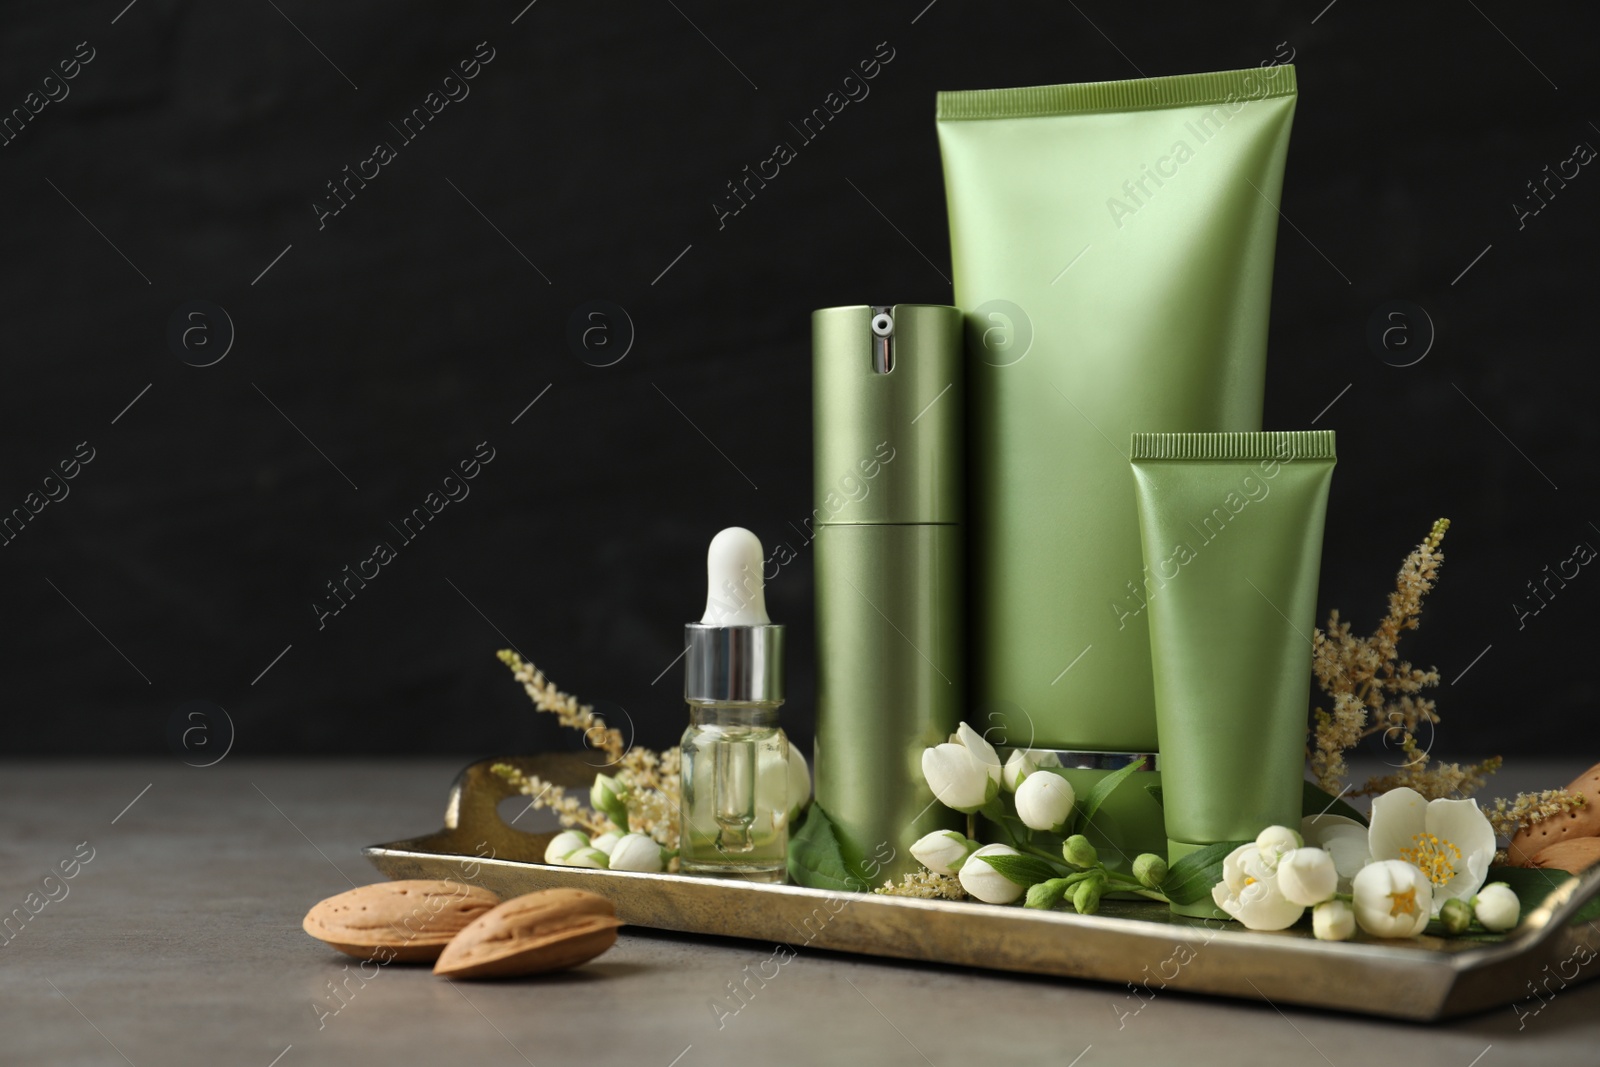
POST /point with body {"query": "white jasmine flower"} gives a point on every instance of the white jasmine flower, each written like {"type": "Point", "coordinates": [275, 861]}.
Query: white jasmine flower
{"type": "Point", "coordinates": [565, 844]}
{"type": "Point", "coordinates": [963, 773]}
{"type": "Point", "coordinates": [783, 783]}
{"type": "Point", "coordinates": [984, 882]}
{"type": "Point", "coordinates": [1333, 920]}
{"type": "Point", "coordinates": [1045, 801]}
{"type": "Point", "coordinates": [606, 841]}
{"type": "Point", "coordinates": [1342, 838]}
{"type": "Point", "coordinates": [975, 743]}
{"type": "Point", "coordinates": [1497, 907]}
{"type": "Point", "coordinates": [610, 798]}
{"type": "Point", "coordinates": [1393, 899]}
{"type": "Point", "coordinates": [638, 852]}
{"type": "Point", "coordinates": [1023, 762]}
{"type": "Point", "coordinates": [587, 857]}
{"type": "Point", "coordinates": [799, 781]}
{"type": "Point", "coordinates": [1018, 766]}
{"type": "Point", "coordinates": [1450, 841]}
{"type": "Point", "coordinates": [943, 851]}
{"type": "Point", "coordinates": [1274, 841]}
{"type": "Point", "coordinates": [1307, 876]}
{"type": "Point", "coordinates": [1249, 892]}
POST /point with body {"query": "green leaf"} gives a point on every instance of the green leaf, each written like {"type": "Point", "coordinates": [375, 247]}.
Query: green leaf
{"type": "Point", "coordinates": [1104, 788]}
{"type": "Point", "coordinates": [1192, 877]}
{"type": "Point", "coordinates": [1021, 870]}
{"type": "Point", "coordinates": [815, 860]}
{"type": "Point", "coordinates": [1316, 801]}
{"type": "Point", "coordinates": [1155, 791]}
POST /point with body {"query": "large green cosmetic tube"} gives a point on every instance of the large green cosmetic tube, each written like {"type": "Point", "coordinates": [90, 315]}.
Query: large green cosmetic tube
{"type": "Point", "coordinates": [1112, 246]}
{"type": "Point", "coordinates": [1231, 527]}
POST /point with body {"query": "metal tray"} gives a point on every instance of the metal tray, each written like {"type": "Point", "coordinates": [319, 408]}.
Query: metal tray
{"type": "Point", "coordinates": [1139, 943]}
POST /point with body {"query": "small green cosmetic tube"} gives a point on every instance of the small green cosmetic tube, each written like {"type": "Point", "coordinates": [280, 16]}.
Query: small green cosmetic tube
{"type": "Point", "coordinates": [1231, 525]}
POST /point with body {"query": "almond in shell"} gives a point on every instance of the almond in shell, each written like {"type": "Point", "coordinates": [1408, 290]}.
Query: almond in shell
{"type": "Point", "coordinates": [1577, 824]}
{"type": "Point", "coordinates": [409, 921]}
{"type": "Point", "coordinates": [1574, 855]}
{"type": "Point", "coordinates": [544, 931]}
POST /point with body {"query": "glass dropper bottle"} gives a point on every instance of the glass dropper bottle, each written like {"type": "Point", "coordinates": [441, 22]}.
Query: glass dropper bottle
{"type": "Point", "coordinates": [735, 758]}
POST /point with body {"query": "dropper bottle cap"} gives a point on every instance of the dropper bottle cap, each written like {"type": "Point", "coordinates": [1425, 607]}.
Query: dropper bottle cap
{"type": "Point", "coordinates": [735, 652]}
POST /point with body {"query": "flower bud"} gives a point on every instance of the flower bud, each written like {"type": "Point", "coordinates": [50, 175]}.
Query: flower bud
{"type": "Point", "coordinates": [981, 749]}
{"type": "Point", "coordinates": [606, 841]}
{"type": "Point", "coordinates": [1497, 907]}
{"type": "Point", "coordinates": [588, 857]}
{"type": "Point", "coordinates": [565, 844]}
{"type": "Point", "coordinates": [1456, 915]}
{"type": "Point", "coordinates": [1332, 920]}
{"type": "Point", "coordinates": [1274, 841]}
{"type": "Point", "coordinates": [1046, 894]}
{"type": "Point", "coordinates": [1150, 869]}
{"type": "Point", "coordinates": [959, 777]}
{"type": "Point", "coordinates": [1023, 762]}
{"type": "Point", "coordinates": [1045, 801]}
{"type": "Point", "coordinates": [609, 797]}
{"type": "Point", "coordinates": [1018, 766]}
{"type": "Point", "coordinates": [1078, 853]}
{"type": "Point", "coordinates": [1086, 895]}
{"type": "Point", "coordinates": [983, 881]}
{"type": "Point", "coordinates": [1307, 876]}
{"type": "Point", "coordinates": [638, 852]}
{"type": "Point", "coordinates": [943, 851]}
{"type": "Point", "coordinates": [799, 782]}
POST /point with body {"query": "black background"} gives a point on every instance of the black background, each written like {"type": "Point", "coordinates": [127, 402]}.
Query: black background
{"type": "Point", "coordinates": [594, 145]}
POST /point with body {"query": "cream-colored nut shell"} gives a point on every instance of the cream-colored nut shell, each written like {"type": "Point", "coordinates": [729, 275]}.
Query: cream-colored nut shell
{"type": "Point", "coordinates": [543, 931]}
{"type": "Point", "coordinates": [406, 921]}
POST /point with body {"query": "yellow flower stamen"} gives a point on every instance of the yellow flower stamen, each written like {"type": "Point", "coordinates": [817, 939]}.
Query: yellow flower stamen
{"type": "Point", "coordinates": [1434, 856]}
{"type": "Point", "coordinates": [1403, 903]}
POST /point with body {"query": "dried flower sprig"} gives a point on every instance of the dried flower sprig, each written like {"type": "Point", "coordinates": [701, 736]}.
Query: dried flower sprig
{"type": "Point", "coordinates": [553, 797]}
{"type": "Point", "coordinates": [650, 781]}
{"type": "Point", "coordinates": [546, 697]}
{"type": "Point", "coordinates": [1375, 692]}
{"type": "Point", "coordinates": [924, 885]}
{"type": "Point", "coordinates": [1530, 809]}
{"type": "Point", "coordinates": [1432, 781]}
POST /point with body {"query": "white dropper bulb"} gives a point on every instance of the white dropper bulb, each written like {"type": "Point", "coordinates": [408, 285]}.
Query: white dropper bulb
{"type": "Point", "coordinates": [735, 591]}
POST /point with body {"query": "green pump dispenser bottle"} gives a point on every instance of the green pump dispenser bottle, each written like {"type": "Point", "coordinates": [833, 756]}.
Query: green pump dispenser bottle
{"type": "Point", "coordinates": [888, 411]}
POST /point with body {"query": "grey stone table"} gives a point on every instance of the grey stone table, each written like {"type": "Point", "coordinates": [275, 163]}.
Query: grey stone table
{"type": "Point", "coordinates": [178, 942]}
